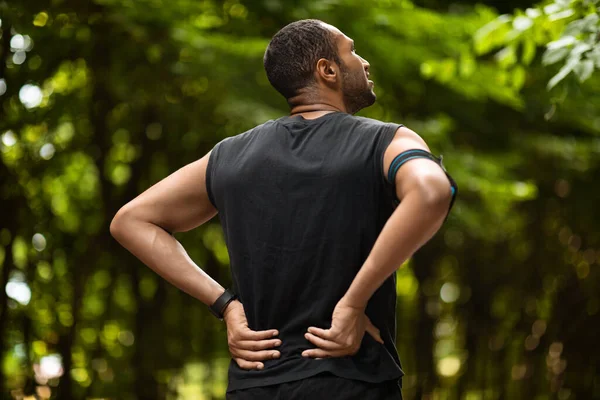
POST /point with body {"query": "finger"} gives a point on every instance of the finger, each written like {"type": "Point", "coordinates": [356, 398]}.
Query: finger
{"type": "Point", "coordinates": [320, 353]}
{"type": "Point", "coordinates": [373, 331]}
{"type": "Point", "coordinates": [248, 365]}
{"type": "Point", "coordinates": [256, 355]}
{"type": "Point", "coordinates": [255, 345]}
{"type": "Point", "coordinates": [249, 334]}
{"type": "Point", "coordinates": [322, 333]}
{"type": "Point", "coordinates": [322, 343]}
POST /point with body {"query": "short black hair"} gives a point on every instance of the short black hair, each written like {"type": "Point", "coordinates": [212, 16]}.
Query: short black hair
{"type": "Point", "coordinates": [292, 55]}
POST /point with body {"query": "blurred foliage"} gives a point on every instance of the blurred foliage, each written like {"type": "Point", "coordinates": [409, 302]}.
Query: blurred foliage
{"type": "Point", "coordinates": [569, 29]}
{"type": "Point", "coordinates": [101, 99]}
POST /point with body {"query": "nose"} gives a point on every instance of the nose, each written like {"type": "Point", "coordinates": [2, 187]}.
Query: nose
{"type": "Point", "coordinates": [366, 64]}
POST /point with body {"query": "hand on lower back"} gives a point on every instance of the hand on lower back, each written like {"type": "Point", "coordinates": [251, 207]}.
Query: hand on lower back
{"type": "Point", "coordinates": [247, 347]}
{"type": "Point", "coordinates": [348, 326]}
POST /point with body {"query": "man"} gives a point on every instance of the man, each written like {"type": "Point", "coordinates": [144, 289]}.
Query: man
{"type": "Point", "coordinates": [309, 208]}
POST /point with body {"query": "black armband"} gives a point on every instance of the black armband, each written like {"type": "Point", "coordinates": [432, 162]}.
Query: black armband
{"type": "Point", "coordinates": [408, 155]}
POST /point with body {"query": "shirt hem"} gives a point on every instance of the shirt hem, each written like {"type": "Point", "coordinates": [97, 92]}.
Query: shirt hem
{"type": "Point", "coordinates": [291, 377]}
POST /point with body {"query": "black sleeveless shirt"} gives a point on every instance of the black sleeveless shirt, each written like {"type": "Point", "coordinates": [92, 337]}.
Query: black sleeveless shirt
{"type": "Point", "coordinates": [301, 204]}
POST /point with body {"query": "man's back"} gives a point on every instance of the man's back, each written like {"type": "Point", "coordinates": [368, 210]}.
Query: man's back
{"type": "Point", "coordinates": [308, 221]}
{"type": "Point", "coordinates": [301, 203]}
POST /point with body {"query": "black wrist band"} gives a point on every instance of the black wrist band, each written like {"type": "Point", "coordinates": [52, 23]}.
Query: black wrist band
{"type": "Point", "coordinates": [219, 305]}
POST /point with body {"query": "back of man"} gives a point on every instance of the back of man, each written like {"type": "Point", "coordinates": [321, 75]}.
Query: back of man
{"type": "Point", "coordinates": [313, 233]}
{"type": "Point", "coordinates": [301, 203]}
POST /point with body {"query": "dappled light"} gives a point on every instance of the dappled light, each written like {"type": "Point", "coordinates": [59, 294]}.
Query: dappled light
{"type": "Point", "coordinates": [31, 96]}
{"type": "Point", "coordinates": [101, 100]}
{"type": "Point", "coordinates": [18, 291]}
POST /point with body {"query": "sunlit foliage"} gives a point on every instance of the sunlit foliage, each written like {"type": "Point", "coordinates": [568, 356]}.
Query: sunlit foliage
{"type": "Point", "coordinates": [101, 99]}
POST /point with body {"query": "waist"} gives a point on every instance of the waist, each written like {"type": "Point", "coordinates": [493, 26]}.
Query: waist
{"type": "Point", "coordinates": [373, 363]}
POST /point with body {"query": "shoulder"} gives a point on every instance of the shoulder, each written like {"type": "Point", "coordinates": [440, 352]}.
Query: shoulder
{"type": "Point", "coordinates": [242, 139]}
{"type": "Point", "coordinates": [420, 174]}
{"type": "Point", "coordinates": [406, 139]}
{"type": "Point", "coordinates": [370, 122]}
{"type": "Point", "coordinates": [400, 138]}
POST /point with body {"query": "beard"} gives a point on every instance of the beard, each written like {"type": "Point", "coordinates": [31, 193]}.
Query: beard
{"type": "Point", "coordinates": [356, 91]}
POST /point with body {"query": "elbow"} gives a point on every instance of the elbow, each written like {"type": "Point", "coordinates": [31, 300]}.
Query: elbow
{"type": "Point", "coordinates": [118, 224]}
{"type": "Point", "coordinates": [437, 195]}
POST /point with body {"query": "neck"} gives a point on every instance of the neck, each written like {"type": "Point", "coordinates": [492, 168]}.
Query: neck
{"type": "Point", "coordinates": [314, 110]}
{"type": "Point", "coordinates": [314, 105]}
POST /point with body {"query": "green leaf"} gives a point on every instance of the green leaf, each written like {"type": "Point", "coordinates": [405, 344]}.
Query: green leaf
{"type": "Point", "coordinates": [506, 57]}
{"type": "Point", "coordinates": [522, 23]}
{"type": "Point", "coordinates": [564, 41]}
{"type": "Point", "coordinates": [529, 49]}
{"type": "Point", "coordinates": [491, 34]}
{"type": "Point", "coordinates": [584, 70]}
{"type": "Point", "coordinates": [518, 77]}
{"type": "Point", "coordinates": [590, 23]}
{"type": "Point", "coordinates": [584, 25]}
{"type": "Point", "coordinates": [552, 56]}
{"type": "Point", "coordinates": [562, 74]}
{"type": "Point", "coordinates": [533, 13]}
{"type": "Point", "coordinates": [552, 9]}
{"type": "Point", "coordinates": [561, 15]}
{"type": "Point", "coordinates": [581, 48]}
{"type": "Point", "coordinates": [594, 55]}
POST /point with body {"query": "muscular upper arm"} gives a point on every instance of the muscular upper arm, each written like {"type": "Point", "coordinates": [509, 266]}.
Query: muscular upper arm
{"type": "Point", "coordinates": [177, 203]}
{"type": "Point", "coordinates": [418, 174]}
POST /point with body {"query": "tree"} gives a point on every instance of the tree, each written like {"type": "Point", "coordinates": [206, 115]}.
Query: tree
{"type": "Point", "coordinates": [100, 99]}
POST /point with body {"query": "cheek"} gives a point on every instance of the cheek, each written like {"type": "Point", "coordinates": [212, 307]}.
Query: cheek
{"type": "Point", "coordinates": [352, 62]}
{"type": "Point", "coordinates": [357, 62]}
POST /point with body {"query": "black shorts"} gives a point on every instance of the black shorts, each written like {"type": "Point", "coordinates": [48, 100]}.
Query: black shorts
{"type": "Point", "coordinates": [321, 387]}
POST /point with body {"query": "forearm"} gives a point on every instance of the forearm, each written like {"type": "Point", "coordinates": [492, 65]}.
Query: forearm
{"type": "Point", "coordinates": [411, 225]}
{"type": "Point", "coordinates": [166, 256]}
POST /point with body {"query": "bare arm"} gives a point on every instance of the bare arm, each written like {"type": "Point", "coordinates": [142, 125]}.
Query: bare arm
{"type": "Point", "coordinates": [178, 203]}
{"type": "Point", "coordinates": [424, 193]}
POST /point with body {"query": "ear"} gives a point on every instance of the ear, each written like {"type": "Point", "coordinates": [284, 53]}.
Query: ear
{"type": "Point", "coordinates": [327, 71]}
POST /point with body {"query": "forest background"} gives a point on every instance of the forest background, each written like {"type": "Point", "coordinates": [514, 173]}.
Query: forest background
{"type": "Point", "coordinates": [101, 99]}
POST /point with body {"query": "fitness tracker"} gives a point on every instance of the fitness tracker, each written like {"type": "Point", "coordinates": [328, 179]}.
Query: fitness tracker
{"type": "Point", "coordinates": [219, 305]}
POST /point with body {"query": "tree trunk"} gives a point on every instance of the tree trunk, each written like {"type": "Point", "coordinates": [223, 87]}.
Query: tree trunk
{"type": "Point", "coordinates": [6, 268]}
{"type": "Point", "coordinates": [4, 220]}
{"type": "Point", "coordinates": [427, 379]}
{"type": "Point", "coordinates": [145, 385]}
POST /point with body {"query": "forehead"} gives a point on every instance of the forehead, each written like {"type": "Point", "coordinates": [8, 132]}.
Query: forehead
{"type": "Point", "coordinates": [338, 35]}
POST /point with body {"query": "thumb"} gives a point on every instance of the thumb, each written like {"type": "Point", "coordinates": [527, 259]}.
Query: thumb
{"type": "Point", "coordinates": [373, 331]}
